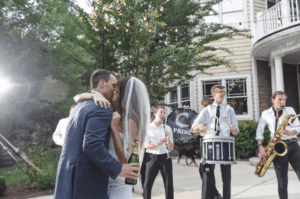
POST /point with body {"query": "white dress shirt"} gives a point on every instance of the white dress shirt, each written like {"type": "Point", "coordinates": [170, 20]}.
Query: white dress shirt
{"type": "Point", "coordinates": [205, 119]}
{"type": "Point", "coordinates": [60, 131]}
{"type": "Point", "coordinates": [268, 118]}
{"type": "Point", "coordinates": [154, 136]}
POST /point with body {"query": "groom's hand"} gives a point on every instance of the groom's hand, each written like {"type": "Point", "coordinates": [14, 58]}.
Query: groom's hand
{"type": "Point", "coordinates": [128, 170]}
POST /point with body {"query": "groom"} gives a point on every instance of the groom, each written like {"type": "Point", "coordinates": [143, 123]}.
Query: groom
{"type": "Point", "coordinates": [85, 164]}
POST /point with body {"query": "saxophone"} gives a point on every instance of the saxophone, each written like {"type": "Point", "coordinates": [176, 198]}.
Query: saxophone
{"type": "Point", "coordinates": [275, 147]}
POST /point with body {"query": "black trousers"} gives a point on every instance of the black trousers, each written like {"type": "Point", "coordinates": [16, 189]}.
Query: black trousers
{"type": "Point", "coordinates": [154, 164]}
{"type": "Point", "coordinates": [143, 169]}
{"type": "Point", "coordinates": [209, 183]}
{"type": "Point", "coordinates": [213, 189]}
{"type": "Point", "coordinates": [281, 167]}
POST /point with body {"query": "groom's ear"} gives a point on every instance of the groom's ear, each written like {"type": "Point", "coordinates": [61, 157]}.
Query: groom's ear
{"type": "Point", "coordinates": [101, 84]}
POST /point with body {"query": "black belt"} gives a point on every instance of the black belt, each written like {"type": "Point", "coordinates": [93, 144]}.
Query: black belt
{"type": "Point", "coordinates": [290, 140]}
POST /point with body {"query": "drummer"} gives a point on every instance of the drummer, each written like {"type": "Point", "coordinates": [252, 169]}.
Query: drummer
{"type": "Point", "coordinates": [206, 122]}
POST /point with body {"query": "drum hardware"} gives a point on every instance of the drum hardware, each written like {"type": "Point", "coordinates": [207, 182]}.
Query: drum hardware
{"type": "Point", "coordinates": [212, 132]}
{"type": "Point", "coordinates": [218, 150]}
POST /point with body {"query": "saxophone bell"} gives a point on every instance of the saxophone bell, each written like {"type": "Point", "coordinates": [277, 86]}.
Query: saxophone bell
{"type": "Point", "coordinates": [281, 148]}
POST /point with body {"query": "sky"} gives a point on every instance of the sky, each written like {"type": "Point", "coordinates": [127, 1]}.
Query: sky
{"type": "Point", "coordinates": [84, 5]}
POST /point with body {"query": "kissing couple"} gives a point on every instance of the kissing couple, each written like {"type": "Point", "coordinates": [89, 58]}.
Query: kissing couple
{"type": "Point", "coordinates": [98, 142]}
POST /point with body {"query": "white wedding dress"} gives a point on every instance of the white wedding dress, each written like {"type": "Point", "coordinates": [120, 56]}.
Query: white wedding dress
{"type": "Point", "coordinates": [117, 189]}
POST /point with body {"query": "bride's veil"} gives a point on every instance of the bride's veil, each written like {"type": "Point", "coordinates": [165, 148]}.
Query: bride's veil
{"type": "Point", "coordinates": [137, 115]}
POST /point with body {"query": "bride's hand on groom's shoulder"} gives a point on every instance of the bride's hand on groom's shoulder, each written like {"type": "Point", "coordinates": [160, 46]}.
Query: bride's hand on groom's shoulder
{"type": "Point", "coordinates": [103, 102]}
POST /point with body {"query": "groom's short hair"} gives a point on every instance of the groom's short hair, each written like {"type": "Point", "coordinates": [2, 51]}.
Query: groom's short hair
{"type": "Point", "coordinates": [98, 75]}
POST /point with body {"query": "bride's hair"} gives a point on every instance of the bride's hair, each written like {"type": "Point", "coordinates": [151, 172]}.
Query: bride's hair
{"type": "Point", "coordinates": [121, 85]}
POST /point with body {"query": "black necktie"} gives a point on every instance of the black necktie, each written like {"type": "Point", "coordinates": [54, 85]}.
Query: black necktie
{"type": "Point", "coordinates": [218, 116]}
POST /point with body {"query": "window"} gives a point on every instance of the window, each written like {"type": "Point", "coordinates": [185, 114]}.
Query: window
{"type": "Point", "coordinates": [183, 95]}
{"type": "Point", "coordinates": [229, 12]}
{"type": "Point", "coordinates": [213, 16]}
{"type": "Point", "coordinates": [238, 93]}
{"type": "Point", "coordinates": [181, 98]}
{"type": "Point", "coordinates": [236, 90]}
{"type": "Point", "coordinates": [174, 99]}
{"type": "Point", "coordinates": [207, 86]}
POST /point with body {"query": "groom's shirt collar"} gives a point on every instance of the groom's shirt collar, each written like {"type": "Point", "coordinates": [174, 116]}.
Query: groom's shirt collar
{"type": "Point", "coordinates": [96, 92]}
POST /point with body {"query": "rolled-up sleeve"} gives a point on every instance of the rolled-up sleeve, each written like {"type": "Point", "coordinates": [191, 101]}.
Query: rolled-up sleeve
{"type": "Point", "coordinates": [234, 120]}
{"type": "Point", "coordinates": [296, 122]}
{"type": "Point", "coordinates": [201, 118]}
{"type": "Point", "coordinates": [260, 128]}
{"type": "Point", "coordinates": [57, 135]}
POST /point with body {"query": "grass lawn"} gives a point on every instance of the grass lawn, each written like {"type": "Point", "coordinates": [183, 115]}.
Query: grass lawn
{"type": "Point", "coordinates": [12, 174]}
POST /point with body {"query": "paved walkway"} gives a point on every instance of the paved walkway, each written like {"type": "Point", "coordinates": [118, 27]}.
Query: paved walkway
{"type": "Point", "coordinates": [244, 184]}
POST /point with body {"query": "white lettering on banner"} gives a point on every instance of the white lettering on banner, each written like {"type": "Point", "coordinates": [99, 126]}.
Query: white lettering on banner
{"type": "Point", "coordinates": [182, 131]}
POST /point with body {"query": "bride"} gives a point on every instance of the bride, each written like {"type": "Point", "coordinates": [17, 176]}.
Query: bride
{"type": "Point", "coordinates": [129, 122]}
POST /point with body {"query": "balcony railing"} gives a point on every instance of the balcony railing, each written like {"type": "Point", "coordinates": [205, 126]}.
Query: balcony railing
{"type": "Point", "coordinates": [282, 15]}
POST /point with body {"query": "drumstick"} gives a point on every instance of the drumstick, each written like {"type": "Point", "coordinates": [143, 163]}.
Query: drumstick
{"type": "Point", "coordinates": [206, 131]}
{"type": "Point", "coordinates": [226, 121]}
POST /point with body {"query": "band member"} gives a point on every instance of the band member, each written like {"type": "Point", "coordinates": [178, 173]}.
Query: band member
{"type": "Point", "coordinates": [214, 193]}
{"type": "Point", "coordinates": [61, 130]}
{"type": "Point", "coordinates": [273, 117]}
{"type": "Point", "coordinates": [206, 121]}
{"type": "Point", "coordinates": [155, 144]}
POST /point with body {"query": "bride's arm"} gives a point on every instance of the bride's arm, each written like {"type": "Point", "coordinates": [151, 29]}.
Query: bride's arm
{"type": "Point", "coordinates": [119, 146]}
{"type": "Point", "coordinates": [97, 98]}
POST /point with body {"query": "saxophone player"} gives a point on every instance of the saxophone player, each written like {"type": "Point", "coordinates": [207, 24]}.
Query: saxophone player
{"type": "Point", "coordinates": [273, 117]}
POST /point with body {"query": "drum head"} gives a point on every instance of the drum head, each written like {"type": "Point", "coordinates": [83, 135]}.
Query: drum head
{"type": "Point", "coordinates": [181, 121]}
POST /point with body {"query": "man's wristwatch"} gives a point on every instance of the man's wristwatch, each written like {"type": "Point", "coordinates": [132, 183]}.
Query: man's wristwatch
{"type": "Point", "coordinates": [258, 145]}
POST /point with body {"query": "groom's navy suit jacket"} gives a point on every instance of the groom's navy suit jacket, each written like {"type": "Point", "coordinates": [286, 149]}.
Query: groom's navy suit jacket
{"type": "Point", "coordinates": [85, 164]}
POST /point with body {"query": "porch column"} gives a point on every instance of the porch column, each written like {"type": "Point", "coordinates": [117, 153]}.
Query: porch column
{"type": "Point", "coordinates": [279, 74]}
{"type": "Point", "coordinates": [286, 12]}
{"type": "Point", "coordinates": [273, 77]}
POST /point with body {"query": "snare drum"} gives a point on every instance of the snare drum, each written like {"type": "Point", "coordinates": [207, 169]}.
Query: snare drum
{"type": "Point", "coordinates": [218, 150]}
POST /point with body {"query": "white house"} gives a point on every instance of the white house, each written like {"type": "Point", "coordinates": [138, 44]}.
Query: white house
{"type": "Point", "coordinates": [266, 63]}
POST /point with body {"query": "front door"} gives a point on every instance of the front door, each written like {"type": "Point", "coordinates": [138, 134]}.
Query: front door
{"type": "Point", "coordinates": [291, 85]}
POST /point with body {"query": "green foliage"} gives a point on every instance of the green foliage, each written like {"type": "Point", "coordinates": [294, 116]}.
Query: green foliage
{"type": "Point", "coordinates": [245, 142]}
{"type": "Point", "coordinates": [161, 58]}
{"type": "Point", "coordinates": [12, 175]}
{"type": "Point", "coordinates": [3, 186]}
{"type": "Point", "coordinates": [32, 69]}
{"type": "Point", "coordinates": [46, 160]}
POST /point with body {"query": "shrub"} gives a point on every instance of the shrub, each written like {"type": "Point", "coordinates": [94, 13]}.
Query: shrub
{"type": "Point", "coordinates": [46, 160]}
{"type": "Point", "coordinates": [3, 186]}
{"type": "Point", "coordinates": [245, 142]}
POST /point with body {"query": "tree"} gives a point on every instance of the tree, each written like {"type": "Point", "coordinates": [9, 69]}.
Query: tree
{"type": "Point", "coordinates": [150, 49]}
{"type": "Point", "coordinates": [29, 64]}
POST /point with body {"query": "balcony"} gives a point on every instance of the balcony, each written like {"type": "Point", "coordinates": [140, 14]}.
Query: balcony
{"type": "Point", "coordinates": [281, 16]}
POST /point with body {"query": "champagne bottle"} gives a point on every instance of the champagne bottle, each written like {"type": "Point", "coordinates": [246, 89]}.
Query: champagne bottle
{"type": "Point", "coordinates": [134, 158]}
